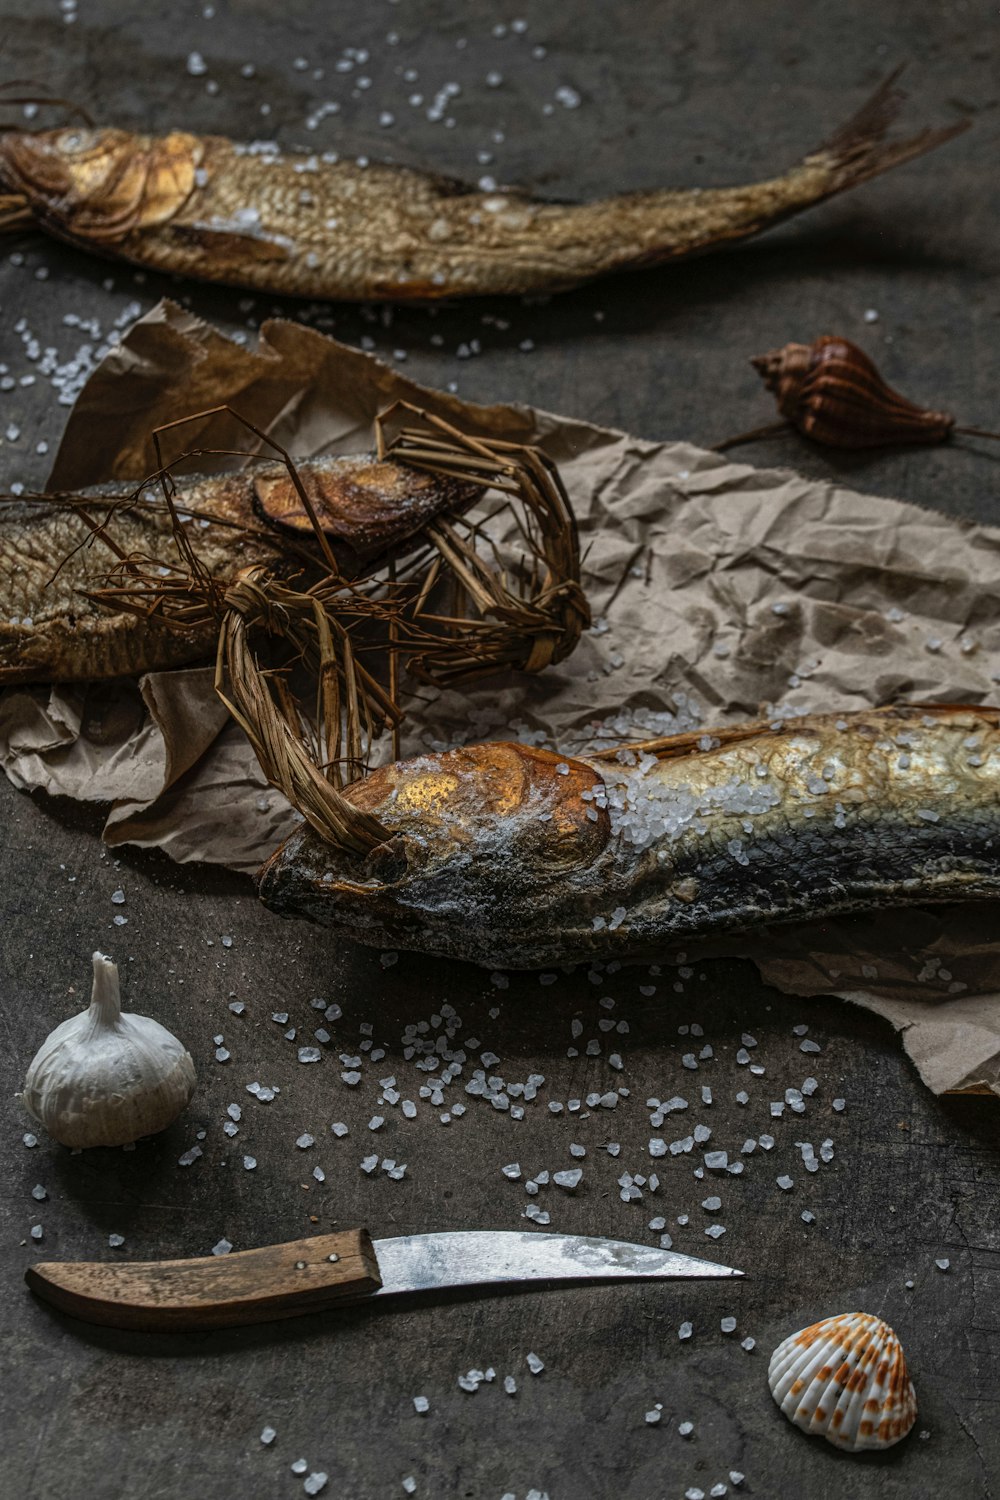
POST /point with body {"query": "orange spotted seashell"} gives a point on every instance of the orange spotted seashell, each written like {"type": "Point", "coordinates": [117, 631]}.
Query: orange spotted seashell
{"type": "Point", "coordinates": [833, 393]}
{"type": "Point", "coordinates": [845, 1379]}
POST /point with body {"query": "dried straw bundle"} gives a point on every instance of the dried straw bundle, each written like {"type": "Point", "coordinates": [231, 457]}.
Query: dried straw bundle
{"type": "Point", "coordinates": [290, 664]}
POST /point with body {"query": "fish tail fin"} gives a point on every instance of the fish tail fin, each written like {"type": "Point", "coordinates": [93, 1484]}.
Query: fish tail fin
{"type": "Point", "coordinates": [859, 150]}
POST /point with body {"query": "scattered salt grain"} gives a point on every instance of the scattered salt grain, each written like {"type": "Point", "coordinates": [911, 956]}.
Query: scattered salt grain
{"type": "Point", "coordinates": [535, 1365]}
{"type": "Point", "coordinates": [421, 1404]}
{"type": "Point", "coordinates": [116, 1241]}
{"type": "Point", "coordinates": [943, 1264]}
{"type": "Point", "coordinates": [728, 1325]}
{"type": "Point", "coordinates": [685, 1429]}
{"type": "Point", "coordinates": [315, 1483]}
{"type": "Point", "coordinates": [223, 1247]}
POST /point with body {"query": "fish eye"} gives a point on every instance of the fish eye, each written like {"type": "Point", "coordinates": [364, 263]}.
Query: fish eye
{"type": "Point", "coordinates": [72, 140]}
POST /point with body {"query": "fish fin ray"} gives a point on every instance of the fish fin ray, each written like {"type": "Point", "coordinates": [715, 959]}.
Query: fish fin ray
{"type": "Point", "coordinates": [230, 242]}
{"type": "Point", "coordinates": [858, 150]}
{"type": "Point", "coordinates": [673, 746]}
{"type": "Point", "coordinates": [14, 212]}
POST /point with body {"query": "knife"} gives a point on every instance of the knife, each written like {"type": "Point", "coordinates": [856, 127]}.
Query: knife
{"type": "Point", "coordinates": [305, 1276]}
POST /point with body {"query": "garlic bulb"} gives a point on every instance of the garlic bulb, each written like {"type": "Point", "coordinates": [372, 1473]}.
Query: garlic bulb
{"type": "Point", "coordinates": [105, 1079]}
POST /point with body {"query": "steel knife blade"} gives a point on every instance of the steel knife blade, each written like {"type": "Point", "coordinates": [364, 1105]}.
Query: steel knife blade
{"type": "Point", "coordinates": [284, 1281]}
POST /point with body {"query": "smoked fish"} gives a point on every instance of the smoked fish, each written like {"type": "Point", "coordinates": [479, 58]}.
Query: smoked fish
{"type": "Point", "coordinates": [50, 631]}
{"type": "Point", "coordinates": [516, 857]}
{"type": "Point", "coordinates": [333, 229]}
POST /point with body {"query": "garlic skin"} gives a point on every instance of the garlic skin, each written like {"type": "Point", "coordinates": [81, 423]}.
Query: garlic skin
{"type": "Point", "coordinates": [104, 1078]}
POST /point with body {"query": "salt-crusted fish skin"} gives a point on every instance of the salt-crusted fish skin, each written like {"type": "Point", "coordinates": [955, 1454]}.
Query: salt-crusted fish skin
{"type": "Point", "coordinates": [515, 857]}
{"type": "Point", "coordinates": [51, 632]}
{"type": "Point", "coordinates": [316, 226]}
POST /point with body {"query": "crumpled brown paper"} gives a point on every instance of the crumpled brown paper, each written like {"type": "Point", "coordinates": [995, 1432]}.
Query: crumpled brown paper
{"type": "Point", "coordinates": [718, 589]}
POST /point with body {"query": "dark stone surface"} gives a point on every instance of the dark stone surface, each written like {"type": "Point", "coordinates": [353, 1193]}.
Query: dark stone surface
{"type": "Point", "coordinates": [690, 94]}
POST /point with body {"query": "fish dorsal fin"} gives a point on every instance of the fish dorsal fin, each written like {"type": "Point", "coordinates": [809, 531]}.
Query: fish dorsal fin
{"type": "Point", "coordinates": [874, 721]}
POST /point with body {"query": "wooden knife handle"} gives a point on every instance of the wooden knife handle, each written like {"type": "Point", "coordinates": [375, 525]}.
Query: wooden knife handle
{"type": "Point", "coordinates": [214, 1291]}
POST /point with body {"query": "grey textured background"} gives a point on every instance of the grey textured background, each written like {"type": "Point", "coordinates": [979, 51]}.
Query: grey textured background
{"type": "Point", "coordinates": [685, 94]}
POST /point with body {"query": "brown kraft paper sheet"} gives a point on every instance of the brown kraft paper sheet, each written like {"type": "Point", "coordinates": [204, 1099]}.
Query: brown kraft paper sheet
{"type": "Point", "coordinates": [719, 592]}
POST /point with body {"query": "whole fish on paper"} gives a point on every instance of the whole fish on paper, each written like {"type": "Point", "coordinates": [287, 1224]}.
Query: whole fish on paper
{"type": "Point", "coordinates": [51, 629]}
{"type": "Point", "coordinates": [323, 227]}
{"type": "Point", "coordinates": [516, 857]}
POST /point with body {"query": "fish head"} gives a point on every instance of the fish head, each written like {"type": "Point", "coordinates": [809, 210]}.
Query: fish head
{"type": "Point", "coordinates": [490, 844]}
{"type": "Point", "coordinates": [99, 184]}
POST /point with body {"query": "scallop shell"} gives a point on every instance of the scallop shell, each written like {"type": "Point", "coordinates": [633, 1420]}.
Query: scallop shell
{"type": "Point", "coordinates": [845, 1379]}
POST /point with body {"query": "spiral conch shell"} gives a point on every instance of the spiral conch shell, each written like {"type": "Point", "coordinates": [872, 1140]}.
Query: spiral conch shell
{"type": "Point", "coordinates": [845, 1379]}
{"type": "Point", "coordinates": [831, 391]}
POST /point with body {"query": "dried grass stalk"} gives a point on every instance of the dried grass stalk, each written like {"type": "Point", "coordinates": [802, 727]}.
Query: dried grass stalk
{"type": "Point", "coordinates": [301, 755]}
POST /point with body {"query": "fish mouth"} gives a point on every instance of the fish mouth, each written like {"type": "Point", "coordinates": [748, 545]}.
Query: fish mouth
{"type": "Point", "coordinates": [284, 878]}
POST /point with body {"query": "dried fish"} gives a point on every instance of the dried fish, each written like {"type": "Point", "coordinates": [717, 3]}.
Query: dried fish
{"type": "Point", "coordinates": [317, 226]}
{"type": "Point", "coordinates": [516, 857]}
{"type": "Point", "coordinates": [52, 628]}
